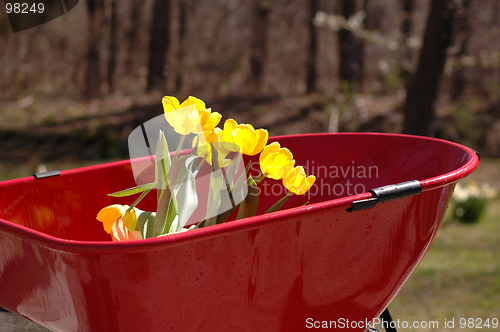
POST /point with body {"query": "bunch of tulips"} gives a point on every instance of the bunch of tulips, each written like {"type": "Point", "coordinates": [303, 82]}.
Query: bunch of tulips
{"type": "Point", "coordinates": [175, 176]}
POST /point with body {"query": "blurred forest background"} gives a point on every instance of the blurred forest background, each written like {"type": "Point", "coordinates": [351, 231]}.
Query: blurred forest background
{"type": "Point", "coordinates": [75, 87]}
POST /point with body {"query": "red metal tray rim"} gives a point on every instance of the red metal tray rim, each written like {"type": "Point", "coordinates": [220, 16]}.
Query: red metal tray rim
{"type": "Point", "coordinates": [55, 243]}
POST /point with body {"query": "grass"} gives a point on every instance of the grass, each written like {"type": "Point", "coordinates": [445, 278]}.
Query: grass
{"type": "Point", "coordinates": [460, 275]}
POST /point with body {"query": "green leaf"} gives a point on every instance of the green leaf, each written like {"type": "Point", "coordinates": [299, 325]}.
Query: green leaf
{"type": "Point", "coordinates": [236, 187]}
{"type": "Point", "coordinates": [187, 198]}
{"type": "Point", "coordinates": [162, 211]}
{"type": "Point", "coordinates": [231, 171]}
{"type": "Point", "coordinates": [240, 182]}
{"type": "Point", "coordinates": [183, 230]}
{"type": "Point", "coordinates": [214, 197]}
{"type": "Point", "coordinates": [133, 191]}
{"type": "Point", "coordinates": [178, 172]}
{"type": "Point", "coordinates": [239, 192]}
{"type": "Point", "coordinates": [162, 165]}
{"type": "Point", "coordinates": [242, 211]}
{"type": "Point", "coordinates": [171, 214]}
{"type": "Point", "coordinates": [145, 221]}
{"type": "Point", "coordinates": [175, 225]}
{"type": "Point", "coordinates": [211, 217]}
{"type": "Point", "coordinates": [194, 151]}
{"type": "Point", "coordinates": [215, 158]}
{"type": "Point", "coordinates": [252, 199]}
{"type": "Point", "coordinates": [222, 217]}
{"type": "Point", "coordinates": [179, 147]}
{"type": "Point", "coordinates": [279, 204]}
{"type": "Point", "coordinates": [248, 167]}
{"type": "Point", "coordinates": [234, 190]}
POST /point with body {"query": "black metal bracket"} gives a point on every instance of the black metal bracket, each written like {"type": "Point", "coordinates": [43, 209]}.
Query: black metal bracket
{"type": "Point", "coordinates": [477, 153]}
{"type": "Point", "coordinates": [46, 174]}
{"type": "Point", "coordinates": [388, 193]}
{"type": "Point", "coordinates": [386, 317]}
{"type": "Point", "coordinates": [387, 322]}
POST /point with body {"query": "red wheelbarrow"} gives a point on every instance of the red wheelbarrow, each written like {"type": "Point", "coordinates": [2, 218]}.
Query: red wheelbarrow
{"type": "Point", "coordinates": [375, 207]}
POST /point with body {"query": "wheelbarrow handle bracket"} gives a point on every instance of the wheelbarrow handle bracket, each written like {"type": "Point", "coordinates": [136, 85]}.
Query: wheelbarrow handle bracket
{"type": "Point", "coordinates": [46, 174]}
{"type": "Point", "coordinates": [388, 193]}
{"type": "Point", "coordinates": [477, 153]}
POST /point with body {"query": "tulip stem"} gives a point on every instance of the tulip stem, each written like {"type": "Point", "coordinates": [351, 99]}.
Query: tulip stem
{"type": "Point", "coordinates": [260, 178]}
{"type": "Point", "coordinates": [279, 203]}
{"type": "Point", "coordinates": [200, 164]}
{"type": "Point", "coordinates": [181, 142]}
{"type": "Point", "coordinates": [139, 199]}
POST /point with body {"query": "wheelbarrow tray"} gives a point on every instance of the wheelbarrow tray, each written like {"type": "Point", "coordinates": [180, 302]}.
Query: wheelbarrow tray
{"type": "Point", "coordinates": [277, 272]}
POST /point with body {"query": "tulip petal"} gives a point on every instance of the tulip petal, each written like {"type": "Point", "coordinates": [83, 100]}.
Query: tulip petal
{"type": "Point", "coordinates": [275, 161]}
{"type": "Point", "coordinates": [229, 126]}
{"type": "Point", "coordinates": [191, 116]}
{"type": "Point", "coordinates": [198, 103]}
{"type": "Point", "coordinates": [129, 218]}
{"type": "Point", "coordinates": [262, 136]}
{"type": "Point", "coordinates": [109, 215]}
{"type": "Point", "coordinates": [184, 120]}
{"type": "Point", "coordinates": [268, 150]}
{"type": "Point", "coordinates": [120, 232]}
{"type": "Point", "coordinates": [170, 103]}
{"type": "Point", "coordinates": [243, 137]}
{"type": "Point", "coordinates": [211, 122]}
{"type": "Point", "coordinates": [248, 140]}
{"type": "Point", "coordinates": [296, 182]}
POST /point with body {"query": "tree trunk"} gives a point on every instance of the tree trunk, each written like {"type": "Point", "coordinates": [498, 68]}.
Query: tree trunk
{"type": "Point", "coordinates": [113, 47]}
{"type": "Point", "coordinates": [313, 49]}
{"type": "Point", "coordinates": [462, 39]}
{"type": "Point", "coordinates": [259, 43]}
{"type": "Point", "coordinates": [133, 36]}
{"type": "Point", "coordinates": [182, 34]}
{"type": "Point", "coordinates": [93, 68]}
{"type": "Point", "coordinates": [423, 86]}
{"type": "Point", "coordinates": [351, 51]}
{"type": "Point", "coordinates": [406, 60]}
{"type": "Point", "coordinates": [159, 44]}
{"type": "Point", "coordinates": [407, 12]}
{"type": "Point", "coordinates": [494, 23]}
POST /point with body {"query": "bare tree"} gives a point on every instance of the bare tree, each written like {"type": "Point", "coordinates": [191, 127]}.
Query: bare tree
{"type": "Point", "coordinates": [159, 44]}
{"type": "Point", "coordinates": [113, 47]}
{"type": "Point", "coordinates": [351, 49]}
{"type": "Point", "coordinates": [408, 7]}
{"type": "Point", "coordinates": [407, 12]}
{"type": "Point", "coordinates": [461, 40]}
{"type": "Point", "coordinates": [494, 22]}
{"type": "Point", "coordinates": [182, 33]}
{"type": "Point", "coordinates": [422, 89]}
{"type": "Point", "coordinates": [259, 42]}
{"type": "Point", "coordinates": [95, 10]}
{"type": "Point", "coordinates": [133, 35]}
{"type": "Point", "coordinates": [313, 49]}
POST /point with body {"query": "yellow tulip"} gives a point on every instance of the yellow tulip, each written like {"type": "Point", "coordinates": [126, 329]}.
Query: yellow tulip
{"type": "Point", "coordinates": [110, 214]}
{"type": "Point", "coordinates": [275, 161]}
{"type": "Point", "coordinates": [296, 181]}
{"type": "Point", "coordinates": [189, 117]}
{"type": "Point", "coordinates": [244, 138]}
{"type": "Point", "coordinates": [215, 139]}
